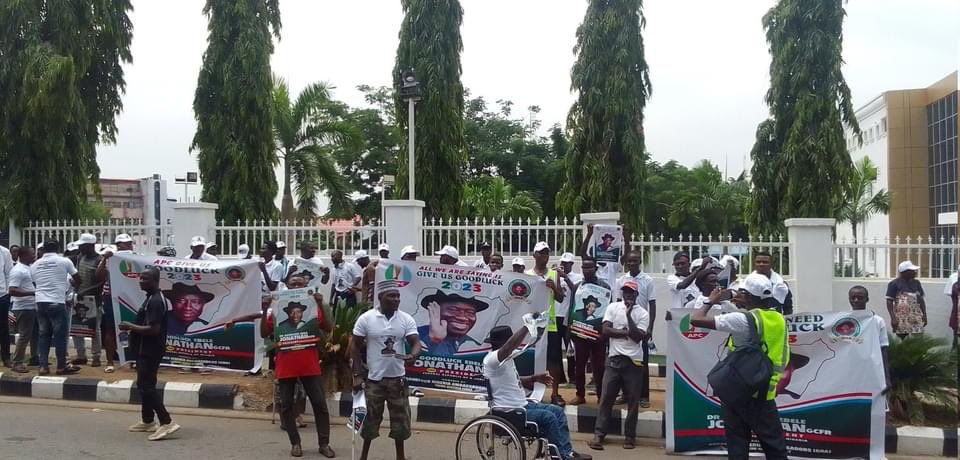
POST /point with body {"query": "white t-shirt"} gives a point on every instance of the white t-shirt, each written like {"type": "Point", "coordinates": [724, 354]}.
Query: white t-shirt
{"type": "Point", "coordinates": [645, 294]}
{"type": "Point", "coordinates": [345, 276]}
{"type": "Point", "coordinates": [50, 275]}
{"type": "Point", "coordinates": [21, 278]}
{"type": "Point", "coordinates": [481, 264]}
{"type": "Point", "coordinates": [564, 307]}
{"type": "Point", "coordinates": [882, 330]}
{"type": "Point", "coordinates": [204, 256]}
{"type": "Point", "coordinates": [697, 303]}
{"type": "Point", "coordinates": [461, 263]}
{"type": "Point", "coordinates": [616, 315]}
{"type": "Point", "coordinates": [948, 288]}
{"type": "Point", "coordinates": [385, 341]}
{"type": "Point", "coordinates": [681, 297]}
{"type": "Point", "coordinates": [275, 270]}
{"type": "Point", "coordinates": [505, 389]}
{"type": "Point", "coordinates": [6, 266]}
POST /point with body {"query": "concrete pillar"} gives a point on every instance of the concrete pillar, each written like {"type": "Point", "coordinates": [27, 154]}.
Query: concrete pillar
{"type": "Point", "coordinates": [811, 263]}
{"type": "Point", "coordinates": [599, 218]}
{"type": "Point", "coordinates": [16, 234]}
{"type": "Point", "coordinates": [404, 221]}
{"type": "Point", "coordinates": [192, 219]}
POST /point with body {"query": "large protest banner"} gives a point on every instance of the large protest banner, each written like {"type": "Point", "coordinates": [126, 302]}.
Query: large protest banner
{"type": "Point", "coordinates": [455, 308]}
{"type": "Point", "coordinates": [295, 311]}
{"type": "Point", "coordinates": [824, 412]}
{"type": "Point", "coordinates": [202, 296]}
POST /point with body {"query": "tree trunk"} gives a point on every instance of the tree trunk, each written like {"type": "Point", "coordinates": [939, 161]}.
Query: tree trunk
{"type": "Point", "coordinates": [287, 212]}
{"type": "Point", "coordinates": [856, 250]}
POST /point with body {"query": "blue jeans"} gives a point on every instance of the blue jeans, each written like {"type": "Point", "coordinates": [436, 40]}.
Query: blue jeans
{"type": "Point", "coordinates": [53, 326]}
{"type": "Point", "coordinates": [553, 425]}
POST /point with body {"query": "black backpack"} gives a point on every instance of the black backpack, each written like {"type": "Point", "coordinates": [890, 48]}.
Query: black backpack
{"type": "Point", "coordinates": [745, 373]}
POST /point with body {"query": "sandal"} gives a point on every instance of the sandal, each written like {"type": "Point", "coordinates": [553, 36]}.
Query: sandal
{"type": "Point", "coordinates": [70, 369]}
{"type": "Point", "coordinates": [301, 423]}
{"type": "Point", "coordinates": [558, 400]}
{"type": "Point", "coordinates": [108, 369]}
{"type": "Point", "coordinates": [296, 451]}
{"type": "Point", "coordinates": [20, 368]}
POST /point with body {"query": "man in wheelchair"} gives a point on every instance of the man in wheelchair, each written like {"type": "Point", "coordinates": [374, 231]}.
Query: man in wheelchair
{"type": "Point", "coordinates": [507, 394]}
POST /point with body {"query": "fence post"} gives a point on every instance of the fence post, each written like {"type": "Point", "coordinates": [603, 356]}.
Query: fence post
{"type": "Point", "coordinates": [16, 234]}
{"type": "Point", "coordinates": [404, 224]}
{"type": "Point", "coordinates": [193, 219]}
{"type": "Point", "coordinates": [811, 263]}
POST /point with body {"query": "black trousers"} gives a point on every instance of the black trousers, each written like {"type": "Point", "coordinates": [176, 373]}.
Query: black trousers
{"type": "Point", "coordinates": [760, 417]}
{"type": "Point", "coordinates": [150, 401]}
{"type": "Point", "coordinates": [5, 328]}
{"type": "Point", "coordinates": [288, 412]}
{"type": "Point", "coordinates": [645, 372]}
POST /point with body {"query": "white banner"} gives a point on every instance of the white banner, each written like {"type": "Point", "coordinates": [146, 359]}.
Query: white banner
{"type": "Point", "coordinates": [203, 296]}
{"type": "Point", "coordinates": [829, 397]}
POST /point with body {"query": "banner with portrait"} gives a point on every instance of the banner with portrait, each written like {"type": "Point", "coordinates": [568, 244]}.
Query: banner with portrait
{"type": "Point", "coordinates": [83, 317]}
{"type": "Point", "coordinates": [455, 307]}
{"type": "Point", "coordinates": [202, 296]}
{"type": "Point", "coordinates": [824, 412]}
{"type": "Point", "coordinates": [589, 305]}
{"type": "Point", "coordinates": [312, 272]}
{"type": "Point", "coordinates": [607, 243]}
{"type": "Point", "coordinates": [295, 313]}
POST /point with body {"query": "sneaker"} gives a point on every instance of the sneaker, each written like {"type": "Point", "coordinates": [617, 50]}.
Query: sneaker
{"type": "Point", "coordinates": [164, 431]}
{"type": "Point", "coordinates": [96, 362]}
{"type": "Point", "coordinates": [596, 443]}
{"type": "Point", "coordinates": [645, 403]}
{"type": "Point", "coordinates": [79, 361]}
{"type": "Point", "coordinates": [141, 427]}
{"type": "Point", "coordinates": [326, 451]}
{"type": "Point", "coordinates": [579, 456]}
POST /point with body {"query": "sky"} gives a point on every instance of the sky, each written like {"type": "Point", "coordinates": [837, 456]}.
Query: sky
{"type": "Point", "coordinates": [708, 61]}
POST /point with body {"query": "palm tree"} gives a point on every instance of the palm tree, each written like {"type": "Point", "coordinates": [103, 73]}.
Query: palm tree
{"type": "Point", "coordinates": [860, 203]}
{"type": "Point", "coordinates": [494, 198]}
{"type": "Point", "coordinates": [306, 131]}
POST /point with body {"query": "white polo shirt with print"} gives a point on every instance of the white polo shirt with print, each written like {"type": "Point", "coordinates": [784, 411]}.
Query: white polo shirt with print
{"type": "Point", "coordinates": [385, 339]}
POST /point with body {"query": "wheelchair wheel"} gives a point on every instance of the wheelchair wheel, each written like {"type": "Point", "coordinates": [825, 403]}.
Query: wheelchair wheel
{"type": "Point", "coordinates": [490, 438]}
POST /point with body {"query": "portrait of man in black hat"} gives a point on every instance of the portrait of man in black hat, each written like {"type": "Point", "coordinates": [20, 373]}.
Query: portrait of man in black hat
{"type": "Point", "coordinates": [294, 321]}
{"type": "Point", "coordinates": [451, 319]}
{"type": "Point", "coordinates": [188, 302]}
{"type": "Point", "coordinates": [607, 244]}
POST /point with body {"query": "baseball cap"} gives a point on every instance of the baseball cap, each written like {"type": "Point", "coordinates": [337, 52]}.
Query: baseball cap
{"type": "Point", "coordinates": [360, 254]}
{"type": "Point", "coordinates": [198, 241]}
{"type": "Point", "coordinates": [907, 265]}
{"type": "Point", "coordinates": [86, 238]}
{"type": "Point", "coordinates": [758, 285]}
{"type": "Point", "coordinates": [485, 245]}
{"type": "Point", "coordinates": [122, 238]}
{"type": "Point", "coordinates": [209, 244]}
{"type": "Point", "coordinates": [281, 245]}
{"type": "Point", "coordinates": [408, 249]}
{"type": "Point", "coordinates": [630, 284]}
{"type": "Point", "coordinates": [72, 246]}
{"type": "Point", "coordinates": [519, 261]}
{"type": "Point", "coordinates": [243, 250]}
{"type": "Point", "coordinates": [728, 259]}
{"type": "Point", "coordinates": [567, 257]}
{"type": "Point", "coordinates": [449, 251]}
{"type": "Point", "coordinates": [383, 247]}
{"type": "Point", "coordinates": [541, 246]}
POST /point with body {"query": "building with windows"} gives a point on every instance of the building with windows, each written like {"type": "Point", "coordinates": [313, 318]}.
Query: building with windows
{"type": "Point", "coordinates": [911, 135]}
{"type": "Point", "coordinates": [142, 200]}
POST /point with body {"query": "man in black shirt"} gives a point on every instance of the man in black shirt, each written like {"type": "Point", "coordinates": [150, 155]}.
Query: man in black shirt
{"type": "Point", "coordinates": [149, 337]}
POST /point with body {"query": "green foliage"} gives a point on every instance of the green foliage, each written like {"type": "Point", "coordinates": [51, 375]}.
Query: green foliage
{"type": "Point", "coordinates": [234, 138]}
{"type": "Point", "coordinates": [335, 347]}
{"type": "Point", "coordinates": [492, 197]}
{"type": "Point", "coordinates": [859, 202]}
{"type": "Point", "coordinates": [922, 369]}
{"type": "Point", "coordinates": [800, 160]}
{"type": "Point", "coordinates": [96, 211]}
{"type": "Point", "coordinates": [61, 78]}
{"type": "Point", "coordinates": [606, 164]}
{"type": "Point", "coordinates": [307, 132]}
{"type": "Point", "coordinates": [430, 44]}
{"type": "Point", "coordinates": [697, 201]}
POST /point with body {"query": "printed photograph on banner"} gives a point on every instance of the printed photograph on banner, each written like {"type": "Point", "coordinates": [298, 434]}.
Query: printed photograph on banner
{"type": "Point", "coordinates": [607, 243]}
{"type": "Point", "coordinates": [202, 296]}
{"type": "Point", "coordinates": [83, 318]}
{"type": "Point", "coordinates": [310, 271]}
{"type": "Point", "coordinates": [589, 305]}
{"type": "Point", "coordinates": [455, 308]}
{"type": "Point", "coordinates": [295, 313]}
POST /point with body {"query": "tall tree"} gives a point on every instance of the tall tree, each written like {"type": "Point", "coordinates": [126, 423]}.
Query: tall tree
{"type": "Point", "coordinates": [492, 197]}
{"type": "Point", "coordinates": [606, 163]}
{"type": "Point", "coordinates": [234, 138]}
{"type": "Point", "coordinates": [307, 133]}
{"type": "Point", "coordinates": [61, 79]}
{"type": "Point", "coordinates": [860, 203]}
{"type": "Point", "coordinates": [800, 160]}
{"type": "Point", "coordinates": [430, 44]}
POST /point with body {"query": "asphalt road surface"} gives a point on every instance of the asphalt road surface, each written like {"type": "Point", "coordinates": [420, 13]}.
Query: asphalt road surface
{"type": "Point", "coordinates": [33, 431]}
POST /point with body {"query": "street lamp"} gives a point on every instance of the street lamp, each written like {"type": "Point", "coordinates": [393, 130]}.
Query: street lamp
{"type": "Point", "coordinates": [411, 92]}
{"type": "Point", "coordinates": [385, 180]}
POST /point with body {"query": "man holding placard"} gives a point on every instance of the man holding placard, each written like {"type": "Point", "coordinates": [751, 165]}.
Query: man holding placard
{"type": "Point", "coordinates": [591, 297]}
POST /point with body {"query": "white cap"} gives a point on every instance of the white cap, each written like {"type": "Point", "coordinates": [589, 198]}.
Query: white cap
{"type": "Point", "coordinates": [384, 247]}
{"type": "Point", "coordinates": [361, 254]}
{"type": "Point", "coordinates": [519, 261]}
{"type": "Point", "coordinates": [408, 249]}
{"type": "Point", "coordinates": [209, 244]}
{"type": "Point", "coordinates": [449, 251]}
{"type": "Point", "coordinates": [107, 248]}
{"type": "Point", "coordinates": [907, 265]}
{"type": "Point", "coordinates": [123, 238]}
{"type": "Point", "coordinates": [71, 246]}
{"type": "Point", "coordinates": [541, 246]}
{"type": "Point", "coordinates": [243, 250]}
{"type": "Point", "coordinates": [86, 238]}
{"type": "Point", "coordinates": [758, 285]}
{"type": "Point", "coordinates": [728, 259]}
{"type": "Point", "coordinates": [198, 241]}
{"type": "Point", "coordinates": [281, 245]}
{"type": "Point", "coordinates": [567, 257]}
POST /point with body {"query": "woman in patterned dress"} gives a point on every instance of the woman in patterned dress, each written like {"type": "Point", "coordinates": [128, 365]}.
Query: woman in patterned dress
{"type": "Point", "coordinates": [908, 311]}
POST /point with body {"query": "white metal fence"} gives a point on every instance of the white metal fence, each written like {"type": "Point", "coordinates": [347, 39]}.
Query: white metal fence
{"type": "Point", "coordinates": [146, 238]}
{"type": "Point", "coordinates": [657, 251]}
{"type": "Point", "coordinates": [510, 237]}
{"type": "Point", "coordinates": [880, 258]}
{"type": "Point", "coordinates": [345, 237]}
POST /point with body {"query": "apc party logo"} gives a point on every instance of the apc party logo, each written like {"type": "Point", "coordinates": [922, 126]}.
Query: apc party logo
{"type": "Point", "coordinates": [399, 273]}
{"type": "Point", "coordinates": [519, 289]}
{"type": "Point", "coordinates": [689, 331]}
{"type": "Point", "coordinates": [129, 269]}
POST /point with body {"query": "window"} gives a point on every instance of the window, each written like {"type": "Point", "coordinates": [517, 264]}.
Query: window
{"type": "Point", "coordinates": [883, 125]}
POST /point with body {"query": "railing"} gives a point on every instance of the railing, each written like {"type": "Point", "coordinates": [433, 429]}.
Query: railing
{"type": "Point", "coordinates": [328, 237]}
{"type": "Point", "coordinates": [880, 257]}
{"type": "Point", "coordinates": [657, 251]}
{"type": "Point", "coordinates": [146, 238]}
{"type": "Point", "coordinates": [510, 237]}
